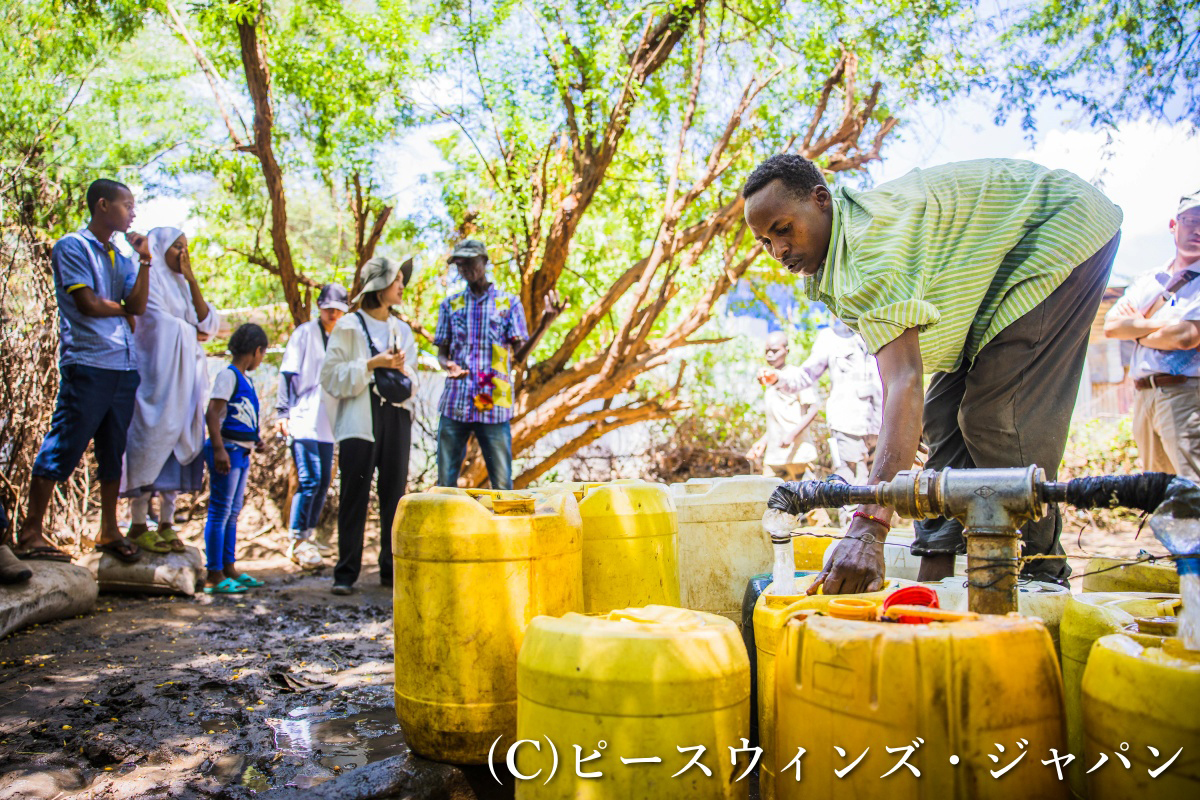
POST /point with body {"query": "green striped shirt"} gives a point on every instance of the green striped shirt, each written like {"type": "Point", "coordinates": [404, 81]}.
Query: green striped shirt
{"type": "Point", "coordinates": [959, 252]}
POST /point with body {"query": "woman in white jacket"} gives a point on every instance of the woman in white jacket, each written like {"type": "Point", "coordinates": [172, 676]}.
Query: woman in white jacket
{"type": "Point", "coordinates": [373, 434]}
{"type": "Point", "coordinates": [166, 434]}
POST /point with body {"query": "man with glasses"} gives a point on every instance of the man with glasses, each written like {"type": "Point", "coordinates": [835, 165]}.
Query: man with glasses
{"type": "Point", "coordinates": [1160, 312]}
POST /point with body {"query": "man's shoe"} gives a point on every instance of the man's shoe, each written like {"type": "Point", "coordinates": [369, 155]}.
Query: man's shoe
{"type": "Point", "coordinates": [342, 589]}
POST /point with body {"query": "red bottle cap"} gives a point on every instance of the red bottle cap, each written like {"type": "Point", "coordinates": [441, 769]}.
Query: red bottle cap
{"type": "Point", "coordinates": [912, 596]}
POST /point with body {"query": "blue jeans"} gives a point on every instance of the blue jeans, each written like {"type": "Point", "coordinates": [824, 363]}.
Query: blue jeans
{"type": "Point", "coordinates": [314, 468]}
{"type": "Point", "coordinates": [495, 442]}
{"type": "Point", "coordinates": [226, 493]}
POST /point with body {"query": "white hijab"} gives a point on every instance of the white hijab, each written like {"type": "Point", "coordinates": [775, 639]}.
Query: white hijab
{"type": "Point", "coordinates": [169, 412]}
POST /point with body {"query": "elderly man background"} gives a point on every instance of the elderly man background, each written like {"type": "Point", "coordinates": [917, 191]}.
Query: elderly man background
{"type": "Point", "coordinates": [1160, 312]}
{"type": "Point", "coordinates": [480, 336]}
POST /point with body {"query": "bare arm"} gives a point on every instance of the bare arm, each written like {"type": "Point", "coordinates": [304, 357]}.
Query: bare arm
{"type": "Point", "coordinates": [1184, 335]}
{"type": "Point", "coordinates": [93, 305]}
{"type": "Point", "coordinates": [213, 417]}
{"type": "Point", "coordinates": [1124, 321]}
{"type": "Point", "coordinates": [453, 371]}
{"type": "Point", "coordinates": [857, 561]}
{"type": "Point", "coordinates": [809, 416]}
{"type": "Point", "coordinates": [135, 301]}
{"type": "Point", "coordinates": [552, 308]}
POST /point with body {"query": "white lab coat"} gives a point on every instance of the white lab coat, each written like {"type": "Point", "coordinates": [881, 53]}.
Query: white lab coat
{"type": "Point", "coordinates": [168, 415]}
{"type": "Point", "coordinates": [345, 376]}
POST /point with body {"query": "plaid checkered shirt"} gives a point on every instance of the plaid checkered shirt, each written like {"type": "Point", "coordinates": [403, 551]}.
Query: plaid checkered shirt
{"type": "Point", "coordinates": [481, 333]}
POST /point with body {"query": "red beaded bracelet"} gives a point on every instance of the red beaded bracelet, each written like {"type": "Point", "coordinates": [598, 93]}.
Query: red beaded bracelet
{"type": "Point", "coordinates": [865, 515]}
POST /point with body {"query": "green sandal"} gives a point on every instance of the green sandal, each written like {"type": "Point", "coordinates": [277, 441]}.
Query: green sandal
{"type": "Point", "coordinates": [168, 536]}
{"type": "Point", "coordinates": [150, 541]}
{"type": "Point", "coordinates": [250, 582]}
{"type": "Point", "coordinates": [227, 586]}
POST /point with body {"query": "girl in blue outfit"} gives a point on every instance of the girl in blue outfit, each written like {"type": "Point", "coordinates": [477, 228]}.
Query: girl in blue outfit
{"type": "Point", "coordinates": [232, 419]}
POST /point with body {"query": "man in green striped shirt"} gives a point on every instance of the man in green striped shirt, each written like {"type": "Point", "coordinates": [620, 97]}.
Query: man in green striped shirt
{"type": "Point", "coordinates": [986, 273]}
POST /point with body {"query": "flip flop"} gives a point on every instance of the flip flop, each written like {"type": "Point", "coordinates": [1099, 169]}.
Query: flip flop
{"type": "Point", "coordinates": [168, 536]}
{"type": "Point", "coordinates": [149, 541]}
{"type": "Point", "coordinates": [227, 586]}
{"type": "Point", "coordinates": [250, 582]}
{"type": "Point", "coordinates": [42, 553]}
{"type": "Point", "coordinates": [122, 550]}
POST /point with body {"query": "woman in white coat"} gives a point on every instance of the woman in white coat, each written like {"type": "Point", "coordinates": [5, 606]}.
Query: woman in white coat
{"type": "Point", "coordinates": [374, 435]}
{"type": "Point", "coordinates": [166, 435]}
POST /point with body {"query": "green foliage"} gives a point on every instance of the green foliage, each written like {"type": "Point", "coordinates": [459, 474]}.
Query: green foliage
{"type": "Point", "coordinates": [1118, 60]}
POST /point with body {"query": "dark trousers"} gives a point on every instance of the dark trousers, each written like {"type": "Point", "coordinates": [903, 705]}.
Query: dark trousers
{"type": "Point", "coordinates": [94, 405]}
{"type": "Point", "coordinates": [1012, 407]}
{"type": "Point", "coordinates": [495, 443]}
{"type": "Point", "coordinates": [314, 469]}
{"type": "Point", "coordinates": [387, 459]}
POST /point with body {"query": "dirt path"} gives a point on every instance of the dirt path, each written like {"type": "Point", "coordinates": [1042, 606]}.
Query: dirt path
{"type": "Point", "coordinates": [171, 697]}
{"type": "Point", "coordinates": [223, 697]}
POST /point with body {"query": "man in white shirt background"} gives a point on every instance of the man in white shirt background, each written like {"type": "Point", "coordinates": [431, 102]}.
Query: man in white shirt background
{"type": "Point", "coordinates": [854, 408]}
{"type": "Point", "coordinates": [1160, 312]}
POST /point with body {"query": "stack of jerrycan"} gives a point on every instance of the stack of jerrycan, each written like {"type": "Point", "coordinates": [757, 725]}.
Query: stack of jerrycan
{"type": "Point", "coordinates": [1046, 601]}
{"type": "Point", "coordinates": [1143, 617]}
{"type": "Point", "coordinates": [771, 613]}
{"type": "Point", "coordinates": [630, 543]}
{"type": "Point", "coordinates": [1115, 575]}
{"type": "Point", "coordinates": [898, 561]}
{"type": "Point", "coordinates": [472, 568]}
{"type": "Point", "coordinates": [1138, 696]}
{"type": "Point", "coordinates": [956, 691]}
{"type": "Point", "coordinates": [721, 540]}
{"type": "Point", "coordinates": [638, 683]}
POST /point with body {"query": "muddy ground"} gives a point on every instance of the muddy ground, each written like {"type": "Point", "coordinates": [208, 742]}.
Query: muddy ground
{"type": "Point", "coordinates": [229, 697]}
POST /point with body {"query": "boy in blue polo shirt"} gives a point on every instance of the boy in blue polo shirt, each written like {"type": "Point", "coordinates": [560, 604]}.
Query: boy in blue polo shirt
{"type": "Point", "coordinates": [98, 292]}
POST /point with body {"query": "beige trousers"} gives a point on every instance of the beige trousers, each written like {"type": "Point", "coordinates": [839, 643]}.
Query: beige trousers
{"type": "Point", "coordinates": [1166, 427]}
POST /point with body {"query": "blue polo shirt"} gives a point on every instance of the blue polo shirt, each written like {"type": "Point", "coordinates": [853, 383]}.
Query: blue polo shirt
{"type": "Point", "coordinates": [80, 259]}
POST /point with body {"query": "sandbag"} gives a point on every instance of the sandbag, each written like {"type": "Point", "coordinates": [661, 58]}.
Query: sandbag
{"type": "Point", "coordinates": [155, 573]}
{"type": "Point", "coordinates": [56, 591]}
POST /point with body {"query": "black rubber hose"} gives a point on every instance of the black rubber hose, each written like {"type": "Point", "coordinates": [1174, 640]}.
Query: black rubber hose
{"type": "Point", "coordinates": [800, 497]}
{"type": "Point", "coordinates": [1145, 491]}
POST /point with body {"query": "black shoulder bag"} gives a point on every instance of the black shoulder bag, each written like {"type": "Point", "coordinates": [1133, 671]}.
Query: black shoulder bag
{"type": "Point", "coordinates": [392, 385]}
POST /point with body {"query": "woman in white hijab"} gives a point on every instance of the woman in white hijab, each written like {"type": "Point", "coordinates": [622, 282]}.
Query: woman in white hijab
{"type": "Point", "coordinates": [166, 436]}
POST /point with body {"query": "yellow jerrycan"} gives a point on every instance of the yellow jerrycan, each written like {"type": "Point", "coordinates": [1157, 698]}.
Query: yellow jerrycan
{"type": "Point", "coordinates": [635, 684]}
{"type": "Point", "coordinates": [630, 545]}
{"type": "Point", "coordinates": [721, 541]}
{"type": "Point", "coordinates": [954, 691]}
{"type": "Point", "coordinates": [1087, 618]}
{"type": "Point", "coordinates": [771, 613]}
{"type": "Point", "coordinates": [1116, 575]}
{"type": "Point", "coordinates": [1138, 696]}
{"type": "Point", "coordinates": [472, 568]}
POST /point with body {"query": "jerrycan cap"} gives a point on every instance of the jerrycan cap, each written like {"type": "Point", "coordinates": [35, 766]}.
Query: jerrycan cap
{"type": "Point", "coordinates": [504, 503]}
{"type": "Point", "coordinates": [912, 596]}
{"type": "Point", "coordinates": [852, 608]}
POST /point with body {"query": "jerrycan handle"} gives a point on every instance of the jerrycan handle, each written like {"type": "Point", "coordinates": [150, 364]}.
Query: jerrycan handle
{"type": "Point", "coordinates": [505, 503]}
{"type": "Point", "coordinates": [787, 657]}
{"type": "Point", "coordinates": [927, 614]}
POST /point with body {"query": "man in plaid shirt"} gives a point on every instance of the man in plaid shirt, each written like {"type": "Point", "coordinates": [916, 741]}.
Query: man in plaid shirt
{"type": "Point", "coordinates": [480, 335]}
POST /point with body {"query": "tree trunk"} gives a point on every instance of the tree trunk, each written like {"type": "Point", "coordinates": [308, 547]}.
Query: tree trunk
{"type": "Point", "coordinates": [258, 81]}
